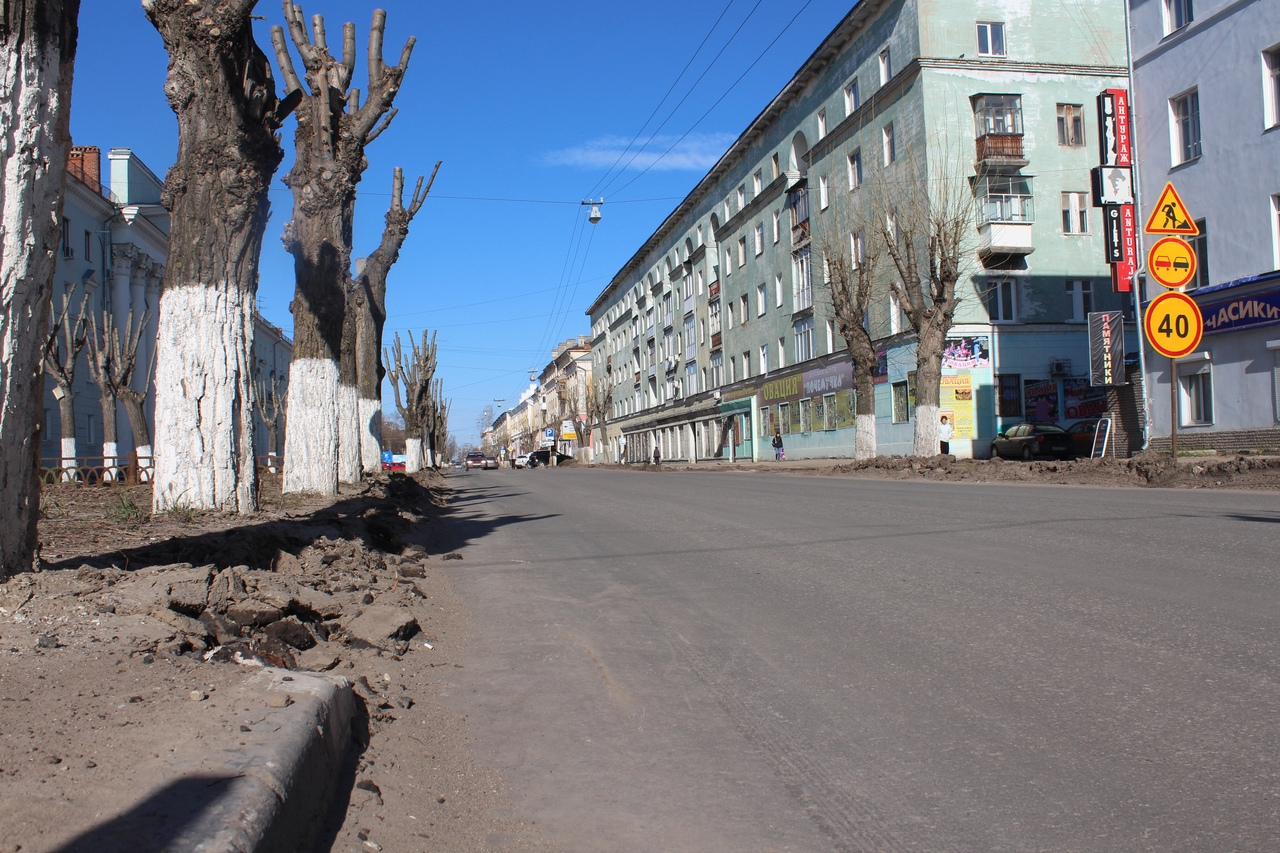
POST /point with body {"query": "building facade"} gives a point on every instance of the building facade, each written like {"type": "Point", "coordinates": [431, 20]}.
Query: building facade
{"type": "Point", "coordinates": [1207, 112]}
{"type": "Point", "coordinates": [719, 330]}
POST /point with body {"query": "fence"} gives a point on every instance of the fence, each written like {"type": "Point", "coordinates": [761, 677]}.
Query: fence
{"type": "Point", "coordinates": [127, 470]}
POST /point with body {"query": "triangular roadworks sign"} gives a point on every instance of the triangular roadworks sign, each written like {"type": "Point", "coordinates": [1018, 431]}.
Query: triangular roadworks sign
{"type": "Point", "coordinates": [1170, 216]}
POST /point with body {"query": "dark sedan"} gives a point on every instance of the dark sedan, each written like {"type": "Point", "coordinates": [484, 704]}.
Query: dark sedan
{"type": "Point", "coordinates": [540, 458]}
{"type": "Point", "coordinates": [1027, 441]}
{"type": "Point", "coordinates": [1082, 436]}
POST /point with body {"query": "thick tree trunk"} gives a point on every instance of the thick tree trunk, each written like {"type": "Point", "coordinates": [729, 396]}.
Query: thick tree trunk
{"type": "Point", "coordinates": [141, 432]}
{"type": "Point", "coordinates": [864, 435]}
{"type": "Point", "coordinates": [39, 46]}
{"type": "Point", "coordinates": [67, 416]}
{"type": "Point", "coordinates": [371, 434]}
{"type": "Point", "coordinates": [928, 380]}
{"type": "Point", "coordinates": [221, 89]}
{"type": "Point", "coordinates": [412, 455]}
{"type": "Point", "coordinates": [110, 444]}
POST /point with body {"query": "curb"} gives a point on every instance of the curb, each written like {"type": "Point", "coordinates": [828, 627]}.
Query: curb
{"type": "Point", "coordinates": [280, 784]}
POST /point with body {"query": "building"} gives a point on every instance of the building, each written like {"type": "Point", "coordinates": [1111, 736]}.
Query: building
{"type": "Point", "coordinates": [1207, 112]}
{"type": "Point", "coordinates": [718, 330]}
{"type": "Point", "coordinates": [114, 245]}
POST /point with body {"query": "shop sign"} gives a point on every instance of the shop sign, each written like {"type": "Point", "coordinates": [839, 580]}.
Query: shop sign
{"type": "Point", "coordinates": [826, 380]}
{"type": "Point", "coordinates": [1115, 135]}
{"type": "Point", "coordinates": [786, 388]}
{"type": "Point", "coordinates": [1243, 312]}
{"type": "Point", "coordinates": [1106, 348]}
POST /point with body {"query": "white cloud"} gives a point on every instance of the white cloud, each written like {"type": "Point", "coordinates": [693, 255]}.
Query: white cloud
{"type": "Point", "coordinates": [696, 152]}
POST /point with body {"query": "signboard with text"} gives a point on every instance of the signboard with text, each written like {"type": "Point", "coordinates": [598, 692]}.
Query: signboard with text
{"type": "Point", "coordinates": [1106, 348]}
{"type": "Point", "coordinates": [1115, 135]}
{"type": "Point", "coordinates": [1173, 324]}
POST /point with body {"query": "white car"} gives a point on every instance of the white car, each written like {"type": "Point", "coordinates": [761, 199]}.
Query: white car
{"type": "Point", "coordinates": [521, 461]}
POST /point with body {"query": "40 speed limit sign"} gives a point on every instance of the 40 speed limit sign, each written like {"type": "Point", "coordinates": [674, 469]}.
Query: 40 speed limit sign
{"type": "Point", "coordinates": [1174, 324]}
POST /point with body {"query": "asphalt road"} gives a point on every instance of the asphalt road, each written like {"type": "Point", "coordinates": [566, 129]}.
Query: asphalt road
{"type": "Point", "coordinates": [760, 662]}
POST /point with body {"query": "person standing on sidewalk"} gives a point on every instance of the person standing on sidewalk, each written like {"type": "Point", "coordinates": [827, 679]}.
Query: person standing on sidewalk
{"type": "Point", "coordinates": [657, 455]}
{"type": "Point", "coordinates": [945, 434]}
{"type": "Point", "coordinates": [778, 453]}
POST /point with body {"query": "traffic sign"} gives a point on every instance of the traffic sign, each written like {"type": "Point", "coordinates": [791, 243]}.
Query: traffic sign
{"type": "Point", "coordinates": [1174, 324]}
{"type": "Point", "coordinates": [1170, 216]}
{"type": "Point", "coordinates": [550, 433]}
{"type": "Point", "coordinates": [1171, 261]}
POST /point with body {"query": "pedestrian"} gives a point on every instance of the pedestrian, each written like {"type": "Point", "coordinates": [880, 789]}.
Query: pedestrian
{"type": "Point", "coordinates": [778, 453]}
{"type": "Point", "coordinates": [657, 455]}
{"type": "Point", "coordinates": [945, 434]}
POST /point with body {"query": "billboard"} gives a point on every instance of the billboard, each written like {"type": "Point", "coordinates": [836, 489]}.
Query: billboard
{"type": "Point", "coordinates": [1106, 348]}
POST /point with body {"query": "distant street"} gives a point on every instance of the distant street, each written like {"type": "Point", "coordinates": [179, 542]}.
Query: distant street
{"type": "Point", "coordinates": [760, 662]}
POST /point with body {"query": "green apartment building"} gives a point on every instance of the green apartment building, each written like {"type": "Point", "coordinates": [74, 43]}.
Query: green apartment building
{"type": "Point", "coordinates": [719, 329]}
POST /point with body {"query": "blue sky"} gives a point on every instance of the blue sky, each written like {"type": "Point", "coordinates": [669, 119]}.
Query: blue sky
{"type": "Point", "coordinates": [529, 110]}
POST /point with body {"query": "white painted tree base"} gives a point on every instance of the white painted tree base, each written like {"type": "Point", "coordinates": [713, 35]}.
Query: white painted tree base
{"type": "Point", "coordinates": [349, 431]}
{"type": "Point", "coordinates": [311, 441]}
{"type": "Point", "coordinates": [371, 436]}
{"type": "Point", "coordinates": [926, 432]}
{"type": "Point", "coordinates": [864, 437]}
{"type": "Point", "coordinates": [69, 460]}
{"type": "Point", "coordinates": [145, 463]}
{"type": "Point", "coordinates": [204, 409]}
{"type": "Point", "coordinates": [412, 455]}
{"type": "Point", "coordinates": [110, 461]}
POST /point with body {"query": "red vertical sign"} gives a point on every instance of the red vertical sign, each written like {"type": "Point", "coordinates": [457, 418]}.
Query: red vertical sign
{"type": "Point", "coordinates": [1123, 130]}
{"type": "Point", "coordinates": [1122, 272]}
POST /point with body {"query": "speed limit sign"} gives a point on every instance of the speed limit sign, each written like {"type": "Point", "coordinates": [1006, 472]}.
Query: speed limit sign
{"type": "Point", "coordinates": [1174, 324]}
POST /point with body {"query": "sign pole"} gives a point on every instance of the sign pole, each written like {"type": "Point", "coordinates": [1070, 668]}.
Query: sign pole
{"type": "Point", "coordinates": [1173, 409]}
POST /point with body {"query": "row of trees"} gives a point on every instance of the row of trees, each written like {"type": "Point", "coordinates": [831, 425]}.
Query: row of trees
{"type": "Point", "coordinates": [222, 90]}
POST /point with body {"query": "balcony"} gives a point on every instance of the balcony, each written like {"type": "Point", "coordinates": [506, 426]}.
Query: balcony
{"type": "Point", "coordinates": [715, 340]}
{"type": "Point", "coordinates": [713, 290]}
{"type": "Point", "coordinates": [1001, 149]}
{"type": "Point", "coordinates": [1004, 238]}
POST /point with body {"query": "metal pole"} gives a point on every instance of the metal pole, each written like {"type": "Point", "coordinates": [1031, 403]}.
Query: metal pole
{"type": "Point", "coordinates": [1138, 233]}
{"type": "Point", "coordinates": [1173, 409]}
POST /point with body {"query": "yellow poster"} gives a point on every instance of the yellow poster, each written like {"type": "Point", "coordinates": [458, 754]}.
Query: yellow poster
{"type": "Point", "coordinates": [956, 400]}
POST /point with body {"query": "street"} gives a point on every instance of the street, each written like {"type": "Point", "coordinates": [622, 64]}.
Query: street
{"type": "Point", "coordinates": [757, 662]}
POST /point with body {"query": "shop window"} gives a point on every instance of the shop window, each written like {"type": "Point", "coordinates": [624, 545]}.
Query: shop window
{"type": "Point", "coordinates": [901, 411]}
{"type": "Point", "coordinates": [1195, 390]}
{"type": "Point", "coordinates": [1009, 389]}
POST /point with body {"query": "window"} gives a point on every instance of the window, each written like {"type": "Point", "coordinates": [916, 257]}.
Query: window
{"type": "Point", "coordinates": [773, 165]}
{"type": "Point", "coordinates": [802, 283]}
{"type": "Point", "coordinates": [806, 415]}
{"type": "Point", "coordinates": [1009, 390]}
{"type": "Point", "coordinates": [67, 251]}
{"type": "Point", "coordinates": [901, 411]}
{"type": "Point", "coordinates": [1184, 125]}
{"type": "Point", "coordinates": [990, 39]}
{"type": "Point", "coordinates": [777, 226]}
{"type": "Point", "coordinates": [997, 115]}
{"type": "Point", "coordinates": [717, 369]}
{"type": "Point", "coordinates": [1195, 390]}
{"type": "Point", "coordinates": [1200, 245]}
{"type": "Point", "coordinates": [1271, 86]}
{"type": "Point", "coordinates": [757, 182]}
{"type": "Point", "coordinates": [733, 369]}
{"type": "Point", "coordinates": [1005, 198]}
{"type": "Point", "coordinates": [759, 234]}
{"type": "Point", "coordinates": [727, 212]}
{"type": "Point", "coordinates": [742, 196]}
{"type": "Point", "coordinates": [1080, 295]}
{"type": "Point", "coordinates": [1075, 213]}
{"type": "Point", "coordinates": [743, 307]}
{"type": "Point", "coordinates": [890, 153]}
{"type": "Point", "coordinates": [782, 353]}
{"type": "Point", "coordinates": [784, 418]}
{"type": "Point", "coordinates": [746, 365]}
{"type": "Point", "coordinates": [1071, 125]}
{"type": "Point", "coordinates": [1002, 300]}
{"type": "Point", "coordinates": [886, 66]}
{"type": "Point", "coordinates": [828, 411]}
{"type": "Point", "coordinates": [851, 98]}
{"type": "Point", "coordinates": [764, 359]}
{"type": "Point", "coordinates": [855, 169]}
{"type": "Point", "coordinates": [713, 316]}
{"type": "Point", "coordinates": [822, 123]}
{"type": "Point", "coordinates": [1177, 14]}
{"type": "Point", "coordinates": [857, 248]}
{"type": "Point", "coordinates": [777, 288]}
{"type": "Point", "coordinates": [804, 339]}
{"type": "Point", "coordinates": [823, 200]}
{"type": "Point", "coordinates": [761, 299]}
{"type": "Point", "coordinates": [88, 246]}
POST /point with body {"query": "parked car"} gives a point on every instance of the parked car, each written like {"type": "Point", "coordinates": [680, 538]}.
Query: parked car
{"type": "Point", "coordinates": [475, 459]}
{"type": "Point", "coordinates": [1027, 441]}
{"type": "Point", "coordinates": [1081, 436]}
{"type": "Point", "coordinates": [521, 461]}
{"type": "Point", "coordinates": [491, 462]}
{"type": "Point", "coordinates": [539, 458]}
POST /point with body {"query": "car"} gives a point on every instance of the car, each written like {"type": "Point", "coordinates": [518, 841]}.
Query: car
{"type": "Point", "coordinates": [1028, 440]}
{"type": "Point", "coordinates": [521, 461]}
{"type": "Point", "coordinates": [491, 462]}
{"type": "Point", "coordinates": [540, 458]}
{"type": "Point", "coordinates": [475, 460]}
{"type": "Point", "coordinates": [1081, 436]}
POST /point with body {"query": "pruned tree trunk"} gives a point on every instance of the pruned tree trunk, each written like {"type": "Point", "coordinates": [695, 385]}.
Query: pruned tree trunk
{"type": "Point", "coordinates": [849, 273]}
{"type": "Point", "coordinates": [413, 459]}
{"type": "Point", "coordinates": [111, 362]}
{"type": "Point", "coordinates": [415, 373]}
{"type": "Point", "coordinates": [221, 88]}
{"type": "Point", "coordinates": [369, 308]}
{"type": "Point", "coordinates": [61, 356]}
{"type": "Point", "coordinates": [323, 445]}
{"type": "Point", "coordinates": [141, 430]}
{"type": "Point", "coordinates": [269, 404]}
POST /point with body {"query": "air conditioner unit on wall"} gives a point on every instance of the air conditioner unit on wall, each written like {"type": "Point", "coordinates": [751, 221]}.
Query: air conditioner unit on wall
{"type": "Point", "coordinates": [1060, 367]}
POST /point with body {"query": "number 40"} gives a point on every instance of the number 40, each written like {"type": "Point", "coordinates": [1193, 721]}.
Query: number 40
{"type": "Point", "coordinates": [1170, 326]}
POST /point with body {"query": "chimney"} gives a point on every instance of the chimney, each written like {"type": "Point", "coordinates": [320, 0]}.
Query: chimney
{"type": "Point", "coordinates": [84, 163]}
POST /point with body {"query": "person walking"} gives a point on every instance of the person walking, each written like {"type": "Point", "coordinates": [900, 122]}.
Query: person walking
{"type": "Point", "coordinates": [657, 455]}
{"type": "Point", "coordinates": [945, 434]}
{"type": "Point", "coordinates": [778, 453]}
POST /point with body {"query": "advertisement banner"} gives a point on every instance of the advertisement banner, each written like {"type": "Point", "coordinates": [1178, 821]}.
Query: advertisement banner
{"type": "Point", "coordinates": [1106, 348]}
{"type": "Point", "coordinates": [824, 380]}
{"type": "Point", "coordinates": [1040, 400]}
{"type": "Point", "coordinates": [967, 353]}
{"type": "Point", "coordinates": [1114, 128]}
{"type": "Point", "coordinates": [1243, 312]}
{"type": "Point", "coordinates": [1084, 400]}
{"type": "Point", "coordinates": [880, 375]}
{"type": "Point", "coordinates": [955, 399]}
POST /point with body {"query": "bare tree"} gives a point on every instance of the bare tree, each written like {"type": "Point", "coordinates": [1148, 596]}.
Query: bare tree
{"type": "Point", "coordinates": [849, 273]}
{"type": "Point", "coordinates": [271, 405]}
{"type": "Point", "coordinates": [323, 446]}
{"type": "Point", "coordinates": [221, 89]}
{"type": "Point", "coordinates": [435, 423]}
{"type": "Point", "coordinates": [927, 227]}
{"type": "Point", "coordinates": [589, 410]}
{"type": "Point", "coordinates": [39, 48]}
{"type": "Point", "coordinates": [415, 373]}
{"type": "Point", "coordinates": [111, 362]}
{"type": "Point", "coordinates": [369, 308]}
{"type": "Point", "coordinates": [62, 347]}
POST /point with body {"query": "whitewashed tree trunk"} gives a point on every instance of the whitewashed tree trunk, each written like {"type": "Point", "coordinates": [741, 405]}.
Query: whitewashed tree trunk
{"type": "Point", "coordinates": [146, 463]}
{"type": "Point", "coordinates": [68, 460]}
{"type": "Point", "coordinates": [111, 461]}
{"type": "Point", "coordinates": [412, 455]}
{"type": "Point", "coordinates": [204, 399]}
{"type": "Point", "coordinates": [311, 441]}
{"type": "Point", "coordinates": [926, 431]}
{"type": "Point", "coordinates": [371, 435]}
{"type": "Point", "coordinates": [864, 437]}
{"type": "Point", "coordinates": [349, 433]}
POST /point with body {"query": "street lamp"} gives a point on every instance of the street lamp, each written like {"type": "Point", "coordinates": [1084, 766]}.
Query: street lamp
{"type": "Point", "coordinates": [594, 216]}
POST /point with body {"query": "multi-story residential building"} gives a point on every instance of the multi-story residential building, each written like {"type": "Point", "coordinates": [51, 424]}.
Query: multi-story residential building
{"type": "Point", "coordinates": [719, 329]}
{"type": "Point", "coordinates": [1207, 111]}
{"type": "Point", "coordinates": [114, 244]}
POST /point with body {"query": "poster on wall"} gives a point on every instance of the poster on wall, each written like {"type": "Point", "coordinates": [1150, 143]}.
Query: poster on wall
{"type": "Point", "coordinates": [1040, 400]}
{"type": "Point", "coordinates": [967, 353]}
{"type": "Point", "coordinates": [880, 375]}
{"type": "Point", "coordinates": [955, 398]}
{"type": "Point", "coordinates": [846, 415]}
{"type": "Point", "coordinates": [1084, 400]}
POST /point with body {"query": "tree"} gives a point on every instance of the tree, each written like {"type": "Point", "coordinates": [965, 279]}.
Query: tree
{"type": "Point", "coordinates": [849, 273]}
{"type": "Point", "coordinates": [588, 409]}
{"type": "Point", "coordinates": [39, 47]}
{"type": "Point", "coordinates": [369, 307]}
{"type": "Point", "coordinates": [333, 130]}
{"type": "Point", "coordinates": [435, 424]}
{"type": "Point", "coordinates": [221, 89]}
{"type": "Point", "coordinates": [926, 226]}
{"type": "Point", "coordinates": [111, 362]}
{"type": "Point", "coordinates": [415, 373]}
{"type": "Point", "coordinates": [271, 409]}
{"type": "Point", "coordinates": [61, 356]}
